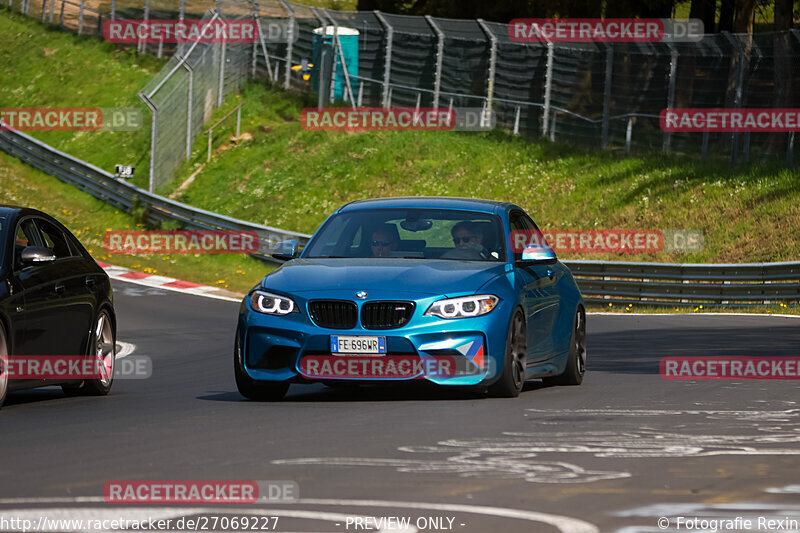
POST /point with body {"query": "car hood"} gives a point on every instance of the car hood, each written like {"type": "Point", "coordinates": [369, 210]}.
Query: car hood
{"type": "Point", "coordinates": [432, 277]}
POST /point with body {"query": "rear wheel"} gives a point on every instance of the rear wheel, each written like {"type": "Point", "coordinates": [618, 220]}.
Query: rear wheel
{"type": "Point", "coordinates": [3, 363]}
{"type": "Point", "coordinates": [576, 361]}
{"type": "Point", "coordinates": [513, 377]}
{"type": "Point", "coordinates": [102, 348]}
{"type": "Point", "coordinates": [252, 389]}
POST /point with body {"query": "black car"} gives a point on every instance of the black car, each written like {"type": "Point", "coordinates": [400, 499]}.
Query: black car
{"type": "Point", "coordinates": [54, 300]}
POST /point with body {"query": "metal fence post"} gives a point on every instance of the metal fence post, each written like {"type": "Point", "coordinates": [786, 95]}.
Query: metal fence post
{"type": "Point", "coordinates": [221, 86]}
{"type": "Point", "coordinates": [628, 135]}
{"type": "Point", "coordinates": [264, 51]}
{"type": "Point", "coordinates": [153, 133]}
{"type": "Point", "coordinates": [142, 44]}
{"type": "Point", "coordinates": [338, 45]}
{"type": "Point", "coordinates": [437, 83]}
{"type": "Point", "coordinates": [182, 10]}
{"type": "Point", "coordinates": [673, 69]}
{"type": "Point", "coordinates": [607, 95]}
{"type": "Point", "coordinates": [52, 10]}
{"type": "Point", "coordinates": [113, 9]}
{"type": "Point", "coordinates": [737, 102]}
{"type": "Point", "coordinates": [790, 150]}
{"type": "Point", "coordinates": [492, 66]}
{"type": "Point", "coordinates": [44, 10]}
{"type": "Point", "coordinates": [516, 121]}
{"type": "Point", "coordinates": [189, 110]}
{"type": "Point", "coordinates": [289, 44]}
{"type": "Point", "coordinates": [61, 16]}
{"type": "Point", "coordinates": [80, 17]}
{"type": "Point", "coordinates": [387, 60]}
{"type": "Point", "coordinates": [548, 86]}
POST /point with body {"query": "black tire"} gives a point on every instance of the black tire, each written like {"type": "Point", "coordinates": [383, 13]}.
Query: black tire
{"type": "Point", "coordinates": [576, 361]}
{"type": "Point", "coordinates": [3, 372]}
{"type": "Point", "coordinates": [103, 344]}
{"type": "Point", "coordinates": [513, 377]}
{"type": "Point", "coordinates": [252, 389]}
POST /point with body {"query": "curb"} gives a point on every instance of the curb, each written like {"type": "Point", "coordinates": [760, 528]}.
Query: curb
{"type": "Point", "coordinates": [171, 284]}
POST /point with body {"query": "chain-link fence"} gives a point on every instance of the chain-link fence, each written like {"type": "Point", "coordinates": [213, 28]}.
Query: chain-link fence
{"type": "Point", "coordinates": [605, 95]}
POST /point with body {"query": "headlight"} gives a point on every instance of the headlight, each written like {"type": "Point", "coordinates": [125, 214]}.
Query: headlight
{"type": "Point", "coordinates": [271, 304]}
{"type": "Point", "coordinates": [464, 307]}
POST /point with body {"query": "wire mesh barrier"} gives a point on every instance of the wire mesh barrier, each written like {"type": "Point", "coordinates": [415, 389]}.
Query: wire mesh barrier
{"type": "Point", "coordinates": [606, 95]}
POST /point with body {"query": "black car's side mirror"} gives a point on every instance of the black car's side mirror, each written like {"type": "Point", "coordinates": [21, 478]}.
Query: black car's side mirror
{"type": "Point", "coordinates": [37, 254]}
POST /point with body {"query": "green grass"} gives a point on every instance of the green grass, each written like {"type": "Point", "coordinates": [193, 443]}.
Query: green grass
{"type": "Point", "coordinates": [284, 176]}
{"type": "Point", "coordinates": [45, 67]}
{"type": "Point", "coordinates": [89, 219]}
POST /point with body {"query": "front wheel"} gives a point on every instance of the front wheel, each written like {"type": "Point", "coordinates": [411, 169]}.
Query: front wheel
{"type": "Point", "coordinates": [576, 361]}
{"type": "Point", "coordinates": [103, 348]}
{"type": "Point", "coordinates": [513, 378]}
{"type": "Point", "coordinates": [252, 389]}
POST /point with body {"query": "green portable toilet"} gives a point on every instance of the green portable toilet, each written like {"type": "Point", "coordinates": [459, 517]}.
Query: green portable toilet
{"type": "Point", "coordinates": [348, 38]}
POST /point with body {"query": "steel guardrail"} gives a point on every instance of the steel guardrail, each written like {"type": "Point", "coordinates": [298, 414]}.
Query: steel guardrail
{"type": "Point", "coordinates": [128, 197]}
{"type": "Point", "coordinates": [668, 284]}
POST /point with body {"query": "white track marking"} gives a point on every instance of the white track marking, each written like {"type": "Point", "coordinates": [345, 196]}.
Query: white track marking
{"type": "Point", "coordinates": [499, 464]}
{"type": "Point", "coordinates": [633, 313]}
{"type": "Point", "coordinates": [125, 349]}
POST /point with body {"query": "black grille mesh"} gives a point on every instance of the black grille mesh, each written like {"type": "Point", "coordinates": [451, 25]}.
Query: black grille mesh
{"type": "Point", "coordinates": [386, 315]}
{"type": "Point", "coordinates": [334, 314]}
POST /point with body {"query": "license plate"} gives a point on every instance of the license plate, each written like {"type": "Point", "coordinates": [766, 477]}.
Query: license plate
{"type": "Point", "coordinates": [358, 344]}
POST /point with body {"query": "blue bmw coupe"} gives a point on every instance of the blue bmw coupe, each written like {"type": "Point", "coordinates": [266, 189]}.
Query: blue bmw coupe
{"type": "Point", "coordinates": [452, 291]}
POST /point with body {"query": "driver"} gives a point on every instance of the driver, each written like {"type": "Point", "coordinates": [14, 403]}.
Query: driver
{"type": "Point", "coordinates": [467, 234]}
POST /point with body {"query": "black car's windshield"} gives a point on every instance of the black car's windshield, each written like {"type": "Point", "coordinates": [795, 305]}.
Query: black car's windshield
{"type": "Point", "coordinates": [411, 234]}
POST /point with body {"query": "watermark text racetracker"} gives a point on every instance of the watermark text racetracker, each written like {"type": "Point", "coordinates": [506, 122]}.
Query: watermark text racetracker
{"type": "Point", "coordinates": [610, 240]}
{"type": "Point", "coordinates": [71, 118]}
{"type": "Point", "coordinates": [75, 367]}
{"type": "Point", "coordinates": [181, 242]}
{"type": "Point", "coordinates": [730, 368]}
{"type": "Point", "coordinates": [199, 492]}
{"type": "Point", "coordinates": [398, 119]}
{"type": "Point", "coordinates": [610, 30]}
{"type": "Point", "coordinates": [230, 31]}
{"type": "Point", "coordinates": [730, 120]}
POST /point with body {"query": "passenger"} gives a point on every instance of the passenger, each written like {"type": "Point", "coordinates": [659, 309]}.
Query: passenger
{"type": "Point", "coordinates": [384, 241]}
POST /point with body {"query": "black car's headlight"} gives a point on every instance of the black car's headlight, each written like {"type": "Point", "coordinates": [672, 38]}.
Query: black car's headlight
{"type": "Point", "coordinates": [464, 307]}
{"type": "Point", "coordinates": [272, 304]}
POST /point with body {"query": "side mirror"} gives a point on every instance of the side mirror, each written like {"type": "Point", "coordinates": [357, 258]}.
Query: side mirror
{"type": "Point", "coordinates": [538, 253]}
{"type": "Point", "coordinates": [286, 250]}
{"type": "Point", "coordinates": [37, 254]}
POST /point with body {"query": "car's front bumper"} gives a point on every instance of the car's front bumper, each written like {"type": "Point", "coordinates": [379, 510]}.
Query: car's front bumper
{"type": "Point", "coordinates": [276, 346]}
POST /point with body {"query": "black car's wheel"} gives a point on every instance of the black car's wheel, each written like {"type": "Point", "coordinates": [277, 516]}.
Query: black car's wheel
{"type": "Point", "coordinates": [102, 346]}
{"type": "Point", "coordinates": [3, 371]}
{"type": "Point", "coordinates": [513, 377]}
{"type": "Point", "coordinates": [252, 389]}
{"type": "Point", "coordinates": [576, 361]}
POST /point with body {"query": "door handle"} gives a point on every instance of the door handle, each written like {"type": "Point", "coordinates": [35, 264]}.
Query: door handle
{"type": "Point", "coordinates": [90, 282]}
{"type": "Point", "coordinates": [550, 273]}
{"type": "Point", "coordinates": [59, 289]}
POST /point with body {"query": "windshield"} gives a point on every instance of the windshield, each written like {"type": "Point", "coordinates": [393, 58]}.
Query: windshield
{"type": "Point", "coordinates": [411, 234]}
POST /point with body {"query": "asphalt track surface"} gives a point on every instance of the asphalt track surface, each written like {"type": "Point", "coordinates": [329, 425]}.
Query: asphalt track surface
{"type": "Point", "coordinates": [615, 454]}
